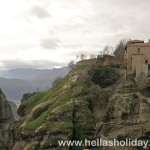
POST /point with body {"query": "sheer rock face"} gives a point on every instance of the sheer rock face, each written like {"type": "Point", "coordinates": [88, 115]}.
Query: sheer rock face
{"type": "Point", "coordinates": [6, 119]}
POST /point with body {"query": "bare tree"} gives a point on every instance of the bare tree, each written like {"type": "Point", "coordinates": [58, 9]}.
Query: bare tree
{"type": "Point", "coordinates": [107, 50]}
{"type": "Point", "coordinates": [101, 53]}
{"type": "Point", "coordinates": [83, 56]}
{"type": "Point", "coordinates": [119, 50]}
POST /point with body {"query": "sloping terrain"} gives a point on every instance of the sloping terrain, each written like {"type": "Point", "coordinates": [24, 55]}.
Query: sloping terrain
{"type": "Point", "coordinates": [77, 109]}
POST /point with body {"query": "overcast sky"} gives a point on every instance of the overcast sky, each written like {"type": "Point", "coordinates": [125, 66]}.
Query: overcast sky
{"type": "Point", "coordinates": [50, 33]}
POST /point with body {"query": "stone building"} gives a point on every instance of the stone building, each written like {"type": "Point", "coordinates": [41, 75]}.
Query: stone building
{"type": "Point", "coordinates": [104, 60]}
{"type": "Point", "coordinates": [137, 56]}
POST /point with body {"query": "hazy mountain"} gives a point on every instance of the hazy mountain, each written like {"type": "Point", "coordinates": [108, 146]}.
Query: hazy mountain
{"type": "Point", "coordinates": [16, 82]}
{"type": "Point", "coordinates": [15, 88]}
{"type": "Point", "coordinates": [44, 81]}
{"type": "Point", "coordinates": [22, 73]}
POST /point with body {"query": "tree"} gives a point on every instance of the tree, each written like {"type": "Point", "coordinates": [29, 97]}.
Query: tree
{"type": "Point", "coordinates": [83, 56]}
{"type": "Point", "coordinates": [71, 64]}
{"type": "Point", "coordinates": [104, 76]}
{"type": "Point", "coordinates": [119, 50]}
{"type": "Point", "coordinates": [107, 50]}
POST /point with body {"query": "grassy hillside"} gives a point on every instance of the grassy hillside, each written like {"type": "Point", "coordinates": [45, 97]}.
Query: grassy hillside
{"type": "Point", "coordinates": [89, 103]}
{"type": "Point", "coordinates": [63, 111]}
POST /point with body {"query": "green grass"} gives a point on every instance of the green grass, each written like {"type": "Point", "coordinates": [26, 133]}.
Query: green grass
{"type": "Point", "coordinates": [44, 96]}
{"type": "Point", "coordinates": [38, 111]}
{"type": "Point", "coordinates": [33, 100]}
{"type": "Point", "coordinates": [59, 125]}
{"type": "Point", "coordinates": [87, 112]}
{"type": "Point", "coordinates": [31, 126]}
{"type": "Point", "coordinates": [60, 100]}
{"type": "Point", "coordinates": [57, 97]}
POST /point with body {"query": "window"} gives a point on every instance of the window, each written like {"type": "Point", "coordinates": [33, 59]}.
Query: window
{"type": "Point", "coordinates": [146, 61]}
{"type": "Point", "coordinates": [138, 50]}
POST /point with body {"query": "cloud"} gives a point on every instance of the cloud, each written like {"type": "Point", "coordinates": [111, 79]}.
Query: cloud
{"type": "Point", "coordinates": [68, 28]}
{"type": "Point", "coordinates": [39, 12]}
{"type": "Point", "coordinates": [30, 64]}
{"type": "Point", "coordinates": [50, 43]}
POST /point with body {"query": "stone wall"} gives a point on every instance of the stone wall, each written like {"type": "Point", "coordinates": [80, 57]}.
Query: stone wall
{"type": "Point", "coordinates": [88, 62]}
{"type": "Point", "coordinates": [137, 60]}
{"type": "Point", "coordinates": [142, 69]}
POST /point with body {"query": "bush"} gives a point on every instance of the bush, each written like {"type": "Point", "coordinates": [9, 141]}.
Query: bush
{"type": "Point", "coordinates": [22, 110]}
{"type": "Point", "coordinates": [124, 115]}
{"type": "Point", "coordinates": [104, 76]}
{"type": "Point", "coordinates": [39, 111]}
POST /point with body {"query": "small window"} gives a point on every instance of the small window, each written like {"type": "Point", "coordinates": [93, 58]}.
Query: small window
{"type": "Point", "coordinates": [138, 50]}
{"type": "Point", "coordinates": [146, 61]}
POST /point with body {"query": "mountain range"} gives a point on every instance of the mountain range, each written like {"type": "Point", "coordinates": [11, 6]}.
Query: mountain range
{"type": "Point", "coordinates": [16, 82]}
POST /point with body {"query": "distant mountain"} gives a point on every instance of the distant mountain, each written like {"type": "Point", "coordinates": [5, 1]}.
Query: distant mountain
{"type": "Point", "coordinates": [22, 73]}
{"type": "Point", "coordinates": [15, 88]}
{"type": "Point", "coordinates": [16, 82]}
{"type": "Point", "coordinates": [45, 80]}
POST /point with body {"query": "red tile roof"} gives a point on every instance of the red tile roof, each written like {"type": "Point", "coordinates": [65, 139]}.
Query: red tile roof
{"type": "Point", "coordinates": [135, 41]}
{"type": "Point", "coordinates": [140, 44]}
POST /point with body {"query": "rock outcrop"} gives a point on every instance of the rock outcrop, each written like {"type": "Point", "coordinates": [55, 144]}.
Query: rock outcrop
{"type": "Point", "coordinates": [6, 120]}
{"type": "Point", "coordinates": [14, 109]}
{"type": "Point", "coordinates": [75, 109]}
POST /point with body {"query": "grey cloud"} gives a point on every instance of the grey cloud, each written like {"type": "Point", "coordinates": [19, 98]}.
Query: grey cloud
{"type": "Point", "coordinates": [39, 12]}
{"type": "Point", "coordinates": [30, 64]}
{"type": "Point", "coordinates": [50, 43]}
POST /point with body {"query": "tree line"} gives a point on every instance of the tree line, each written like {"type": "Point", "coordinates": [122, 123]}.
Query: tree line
{"type": "Point", "coordinates": [117, 52]}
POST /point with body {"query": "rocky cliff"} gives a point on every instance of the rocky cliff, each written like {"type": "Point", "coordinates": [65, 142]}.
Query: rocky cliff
{"type": "Point", "coordinates": [14, 109]}
{"type": "Point", "coordinates": [6, 120]}
{"type": "Point", "coordinates": [77, 109]}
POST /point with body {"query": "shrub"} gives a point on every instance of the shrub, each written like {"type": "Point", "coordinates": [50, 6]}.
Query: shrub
{"type": "Point", "coordinates": [124, 115]}
{"type": "Point", "coordinates": [22, 110]}
{"type": "Point", "coordinates": [39, 111]}
{"type": "Point", "coordinates": [104, 76]}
